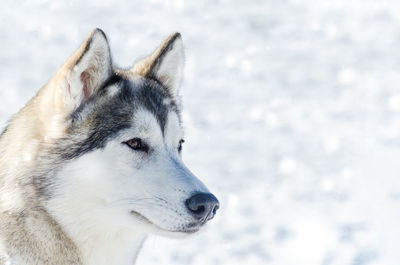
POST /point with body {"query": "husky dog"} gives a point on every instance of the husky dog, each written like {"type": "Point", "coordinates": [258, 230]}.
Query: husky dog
{"type": "Point", "coordinates": [92, 164]}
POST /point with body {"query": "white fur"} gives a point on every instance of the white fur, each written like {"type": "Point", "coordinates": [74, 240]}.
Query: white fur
{"type": "Point", "coordinates": [170, 69]}
{"type": "Point", "coordinates": [97, 192]}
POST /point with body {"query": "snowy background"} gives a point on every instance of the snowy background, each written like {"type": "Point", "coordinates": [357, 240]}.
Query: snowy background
{"type": "Point", "coordinates": [292, 112]}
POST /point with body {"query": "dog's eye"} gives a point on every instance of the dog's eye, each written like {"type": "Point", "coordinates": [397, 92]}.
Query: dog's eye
{"type": "Point", "coordinates": [181, 141]}
{"type": "Point", "coordinates": [136, 144]}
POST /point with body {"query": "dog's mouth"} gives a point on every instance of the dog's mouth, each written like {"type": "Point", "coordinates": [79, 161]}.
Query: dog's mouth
{"type": "Point", "coordinates": [189, 229]}
{"type": "Point", "coordinates": [141, 217]}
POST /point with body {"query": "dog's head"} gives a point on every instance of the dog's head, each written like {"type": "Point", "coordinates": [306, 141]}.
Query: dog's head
{"type": "Point", "coordinates": [122, 140]}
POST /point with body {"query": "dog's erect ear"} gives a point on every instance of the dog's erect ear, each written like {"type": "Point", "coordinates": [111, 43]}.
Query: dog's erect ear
{"type": "Point", "coordinates": [165, 64]}
{"type": "Point", "coordinates": [87, 69]}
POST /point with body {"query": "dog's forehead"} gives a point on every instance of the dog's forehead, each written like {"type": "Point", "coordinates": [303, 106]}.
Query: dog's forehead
{"type": "Point", "coordinates": [147, 94]}
{"type": "Point", "coordinates": [146, 125]}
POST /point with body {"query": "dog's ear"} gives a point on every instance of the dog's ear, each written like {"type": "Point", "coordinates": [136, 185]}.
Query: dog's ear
{"type": "Point", "coordinates": [86, 70]}
{"type": "Point", "coordinates": [165, 65]}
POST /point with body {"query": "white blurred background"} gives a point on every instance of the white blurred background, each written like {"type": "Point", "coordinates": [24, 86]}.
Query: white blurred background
{"type": "Point", "coordinates": [292, 113]}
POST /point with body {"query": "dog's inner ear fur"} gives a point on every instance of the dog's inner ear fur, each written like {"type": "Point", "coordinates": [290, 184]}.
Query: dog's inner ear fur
{"type": "Point", "coordinates": [165, 65]}
{"type": "Point", "coordinates": [87, 69]}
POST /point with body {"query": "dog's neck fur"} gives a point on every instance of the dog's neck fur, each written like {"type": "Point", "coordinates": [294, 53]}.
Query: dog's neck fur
{"type": "Point", "coordinates": [119, 247]}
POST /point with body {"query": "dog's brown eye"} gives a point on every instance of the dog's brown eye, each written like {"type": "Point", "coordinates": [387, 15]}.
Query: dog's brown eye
{"type": "Point", "coordinates": [136, 144]}
{"type": "Point", "coordinates": [180, 145]}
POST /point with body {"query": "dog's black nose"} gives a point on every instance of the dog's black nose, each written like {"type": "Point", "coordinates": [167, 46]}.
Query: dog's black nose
{"type": "Point", "coordinates": [203, 206]}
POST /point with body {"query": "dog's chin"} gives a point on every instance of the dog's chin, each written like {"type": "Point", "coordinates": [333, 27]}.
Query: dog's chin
{"type": "Point", "coordinates": [174, 234]}
{"type": "Point", "coordinates": [183, 232]}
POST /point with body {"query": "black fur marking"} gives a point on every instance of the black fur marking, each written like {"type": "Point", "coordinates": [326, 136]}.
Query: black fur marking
{"type": "Point", "coordinates": [152, 97]}
{"type": "Point", "coordinates": [107, 117]}
{"type": "Point", "coordinates": [112, 80]}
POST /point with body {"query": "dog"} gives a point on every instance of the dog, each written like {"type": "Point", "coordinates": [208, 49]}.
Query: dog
{"type": "Point", "coordinates": [92, 164]}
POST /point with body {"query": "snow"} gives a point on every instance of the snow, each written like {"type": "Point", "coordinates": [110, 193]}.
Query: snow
{"type": "Point", "coordinates": [291, 112]}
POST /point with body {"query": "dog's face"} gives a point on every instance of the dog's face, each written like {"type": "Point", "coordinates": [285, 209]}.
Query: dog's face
{"type": "Point", "coordinates": [124, 142]}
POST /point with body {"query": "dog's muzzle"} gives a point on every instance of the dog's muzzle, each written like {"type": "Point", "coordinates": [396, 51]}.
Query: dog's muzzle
{"type": "Point", "coordinates": [202, 206]}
